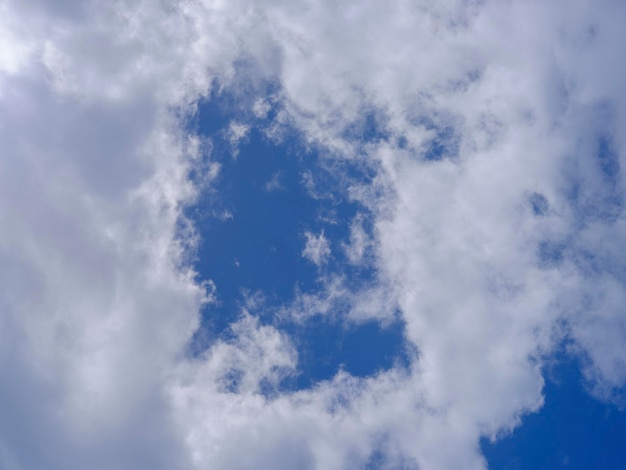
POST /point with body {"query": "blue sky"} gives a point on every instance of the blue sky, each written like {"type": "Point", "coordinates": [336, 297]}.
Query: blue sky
{"type": "Point", "coordinates": [253, 225]}
{"type": "Point", "coordinates": [572, 430]}
{"type": "Point", "coordinates": [312, 235]}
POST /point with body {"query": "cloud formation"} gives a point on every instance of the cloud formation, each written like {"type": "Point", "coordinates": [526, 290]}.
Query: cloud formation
{"type": "Point", "coordinates": [495, 135]}
{"type": "Point", "coordinates": [316, 248]}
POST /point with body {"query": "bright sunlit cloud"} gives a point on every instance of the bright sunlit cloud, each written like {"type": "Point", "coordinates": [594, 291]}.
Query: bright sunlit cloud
{"type": "Point", "coordinates": [309, 234]}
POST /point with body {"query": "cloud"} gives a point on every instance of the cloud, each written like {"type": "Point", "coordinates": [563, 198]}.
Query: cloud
{"type": "Point", "coordinates": [99, 302]}
{"type": "Point", "coordinates": [237, 133]}
{"type": "Point", "coordinates": [359, 242]}
{"type": "Point", "coordinates": [316, 249]}
{"type": "Point", "coordinates": [261, 108]}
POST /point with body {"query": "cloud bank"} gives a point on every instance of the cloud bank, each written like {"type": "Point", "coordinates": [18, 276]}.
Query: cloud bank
{"type": "Point", "coordinates": [495, 135]}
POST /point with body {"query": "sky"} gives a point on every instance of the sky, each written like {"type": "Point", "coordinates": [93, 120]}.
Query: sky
{"type": "Point", "coordinates": [315, 234]}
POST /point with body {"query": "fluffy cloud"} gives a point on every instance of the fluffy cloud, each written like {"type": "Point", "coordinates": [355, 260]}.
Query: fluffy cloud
{"type": "Point", "coordinates": [316, 249]}
{"type": "Point", "coordinates": [496, 207]}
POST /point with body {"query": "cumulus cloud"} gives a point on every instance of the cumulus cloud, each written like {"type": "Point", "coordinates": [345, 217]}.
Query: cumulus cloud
{"type": "Point", "coordinates": [479, 107]}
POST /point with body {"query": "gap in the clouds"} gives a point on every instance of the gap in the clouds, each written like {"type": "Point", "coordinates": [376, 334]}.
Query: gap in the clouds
{"type": "Point", "coordinates": [551, 253]}
{"type": "Point", "coordinates": [379, 460]}
{"type": "Point", "coordinates": [595, 197]}
{"type": "Point", "coordinates": [370, 127]}
{"type": "Point", "coordinates": [608, 159]}
{"type": "Point", "coordinates": [539, 204]}
{"type": "Point", "coordinates": [594, 188]}
{"type": "Point", "coordinates": [362, 349]}
{"type": "Point", "coordinates": [572, 430]}
{"type": "Point", "coordinates": [442, 137]}
{"type": "Point", "coordinates": [444, 143]}
{"type": "Point", "coordinates": [252, 223]}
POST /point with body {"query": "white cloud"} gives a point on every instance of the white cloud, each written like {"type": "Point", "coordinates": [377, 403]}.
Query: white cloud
{"type": "Point", "coordinates": [316, 249]}
{"type": "Point", "coordinates": [261, 108]}
{"type": "Point", "coordinates": [237, 132]}
{"type": "Point", "coordinates": [359, 242]}
{"type": "Point", "coordinates": [98, 305]}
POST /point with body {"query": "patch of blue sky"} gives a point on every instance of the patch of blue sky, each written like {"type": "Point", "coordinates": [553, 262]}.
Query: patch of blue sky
{"type": "Point", "coordinates": [371, 127]}
{"type": "Point", "coordinates": [443, 137]}
{"type": "Point", "coordinates": [539, 203]}
{"type": "Point", "coordinates": [594, 189]}
{"type": "Point", "coordinates": [378, 461]}
{"type": "Point", "coordinates": [571, 431]}
{"type": "Point", "coordinates": [252, 223]}
{"type": "Point", "coordinates": [325, 347]}
{"type": "Point", "coordinates": [594, 197]}
{"type": "Point", "coordinates": [608, 159]}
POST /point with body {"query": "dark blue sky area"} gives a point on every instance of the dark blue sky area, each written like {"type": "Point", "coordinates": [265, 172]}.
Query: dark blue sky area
{"type": "Point", "coordinates": [259, 249]}
{"type": "Point", "coordinates": [572, 431]}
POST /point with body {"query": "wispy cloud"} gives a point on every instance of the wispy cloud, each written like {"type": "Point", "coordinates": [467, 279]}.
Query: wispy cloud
{"type": "Point", "coordinates": [274, 184]}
